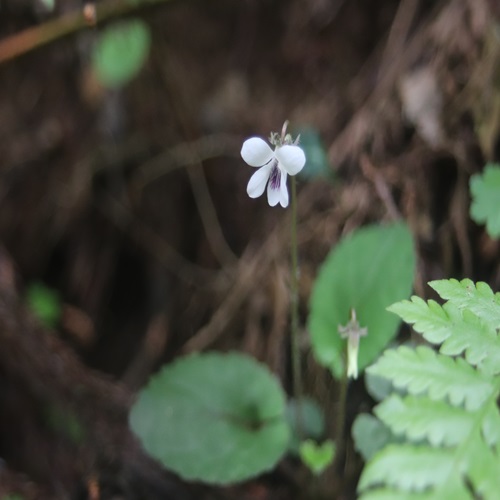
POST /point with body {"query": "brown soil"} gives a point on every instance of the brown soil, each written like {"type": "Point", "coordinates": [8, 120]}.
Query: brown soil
{"type": "Point", "coordinates": [132, 205]}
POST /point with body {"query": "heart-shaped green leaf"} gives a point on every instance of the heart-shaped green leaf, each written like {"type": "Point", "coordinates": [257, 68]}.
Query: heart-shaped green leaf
{"type": "Point", "coordinates": [368, 271]}
{"type": "Point", "coordinates": [317, 456]}
{"type": "Point", "coordinates": [218, 418]}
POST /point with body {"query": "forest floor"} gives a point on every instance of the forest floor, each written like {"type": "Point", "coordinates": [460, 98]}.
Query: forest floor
{"type": "Point", "coordinates": [132, 204]}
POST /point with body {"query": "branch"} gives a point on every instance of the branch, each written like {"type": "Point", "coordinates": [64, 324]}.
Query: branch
{"type": "Point", "coordinates": [68, 24]}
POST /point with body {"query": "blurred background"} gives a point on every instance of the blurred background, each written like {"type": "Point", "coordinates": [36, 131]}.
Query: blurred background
{"type": "Point", "coordinates": [127, 237]}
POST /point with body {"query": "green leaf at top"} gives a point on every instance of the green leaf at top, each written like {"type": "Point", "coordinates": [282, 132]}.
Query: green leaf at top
{"type": "Point", "coordinates": [368, 271]}
{"type": "Point", "coordinates": [218, 418]}
{"type": "Point", "coordinates": [120, 52]}
{"type": "Point", "coordinates": [485, 190]}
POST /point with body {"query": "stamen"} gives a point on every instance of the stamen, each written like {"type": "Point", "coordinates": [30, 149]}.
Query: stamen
{"type": "Point", "coordinates": [275, 177]}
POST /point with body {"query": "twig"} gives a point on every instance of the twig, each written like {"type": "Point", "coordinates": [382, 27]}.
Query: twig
{"type": "Point", "coordinates": [197, 178]}
{"type": "Point", "coordinates": [383, 191]}
{"type": "Point", "coordinates": [183, 155]}
{"type": "Point", "coordinates": [252, 269]}
{"type": "Point", "coordinates": [68, 24]}
{"type": "Point", "coordinates": [156, 245]}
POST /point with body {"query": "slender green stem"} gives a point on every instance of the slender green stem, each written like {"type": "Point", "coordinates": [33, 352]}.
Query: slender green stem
{"type": "Point", "coordinates": [340, 423]}
{"type": "Point", "coordinates": [295, 341]}
{"type": "Point", "coordinates": [339, 427]}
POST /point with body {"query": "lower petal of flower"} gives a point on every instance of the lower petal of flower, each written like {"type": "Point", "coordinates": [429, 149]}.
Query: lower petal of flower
{"type": "Point", "coordinates": [277, 191]}
{"type": "Point", "coordinates": [283, 190]}
{"type": "Point", "coordinates": [258, 181]}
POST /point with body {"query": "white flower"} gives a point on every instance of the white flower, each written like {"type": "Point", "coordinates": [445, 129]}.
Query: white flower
{"type": "Point", "coordinates": [274, 168]}
{"type": "Point", "coordinates": [352, 332]}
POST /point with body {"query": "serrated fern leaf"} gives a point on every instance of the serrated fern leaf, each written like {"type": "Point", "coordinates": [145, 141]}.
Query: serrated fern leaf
{"type": "Point", "coordinates": [392, 494]}
{"type": "Point", "coordinates": [491, 425]}
{"type": "Point", "coordinates": [459, 331]}
{"type": "Point", "coordinates": [456, 491]}
{"type": "Point", "coordinates": [483, 470]}
{"type": "Point", "coordinates": [420, 418]}
{"type": "Point", "coordinates": [421, 371]}
{"type": "Point", "coordinates": [408, 467]}
{"type": "Point", "coordinates": [449, 419]}
{"type": "Point", "coordinates": [477, 298]}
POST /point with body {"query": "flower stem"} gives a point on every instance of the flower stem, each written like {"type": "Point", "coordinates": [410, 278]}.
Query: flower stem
{"type": "Point", "coordinates": [295, 341]}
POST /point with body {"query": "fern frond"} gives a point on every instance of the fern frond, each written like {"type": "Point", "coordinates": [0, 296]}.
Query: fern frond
{"type": "Point", "coordinates": [458, 330]}
{"type": "Point", "coordinates": [491, 425]}
{"type": "Point", "coordinates": [409, 468]}
{"type": "Point", "coordinates": [393, 494]}
{"type": "Point", "coordinates": [449, 419]}
{"type": "Point", "coordinates": [477, 298]}
{"type": "Point", "coordinates": [420, 418]}
{"type": "Point", "coordinates": [421, 370]}
{"type": "Point", "coordinates": [483, 470]}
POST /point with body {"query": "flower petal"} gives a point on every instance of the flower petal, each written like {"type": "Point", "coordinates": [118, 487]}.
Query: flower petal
{"type": "Point", "coordinates": [258, 181]}
{"type": "Point", "coordinates": [291, 158]}
{"type": "Point", "coordinates": [256, 152]}
{"type": "Point", "coordinates": [280, 194]}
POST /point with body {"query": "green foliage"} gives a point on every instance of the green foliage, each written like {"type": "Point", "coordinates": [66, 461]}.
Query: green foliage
{"type": "Point", "coordinates": [467, 323]}
{"type": "Point", "coordinates": [49, 4]}
{"type": "Point", "coordinates": [65, 423]}
{"type": "Point", "coordinates": [485, 191]}
{"type": "Point", "coordinates": [367, 271]}
{"type": "Point", "coordinates": [448, 418]}
{"type": "Point", "coordinates": [120, 52]}
{"type": "Point", "coordinates": [312, 422]}
{"type": "Point", "coordinates": [370, 435]}
{"type": "Point", "coordinates": [44, 303]}
{"type": "Point", "coordinates": [218, 418]}
{"type": "Point", "coordinates": [316, 456]}
{"type": "Point", "coordinates": [377, 387]}
{"type": "Point", "coordinates": [13, 496]}
{"type": "Point", "coordinates": [318, 165]}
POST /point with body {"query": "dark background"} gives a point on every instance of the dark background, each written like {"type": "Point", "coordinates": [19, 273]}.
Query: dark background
{"type": "Point", "coordinates": [132, 204]}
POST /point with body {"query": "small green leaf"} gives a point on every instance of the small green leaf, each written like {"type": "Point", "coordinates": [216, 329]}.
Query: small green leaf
{"type": "Point", "coordinates": [378, 387]}
{"type": "Point", "coordinates": [218, 418]}
{"type": "Point", "coordinates": [318, 165]}
{"type": "Point", "coordinates": [45, 303]}
{"type": "Point", "coordinates": [485, 190]}
{"type": "Point", "coordinates": [120, 52]}
{"type": "Point", "coordinates": [317, 456]}
{"type": "Point", "coordinates": [367, 272]}
{"type": "Point", "coordinates": [370, 435]}
{"type": "Point", "coordinates": [312, 422]}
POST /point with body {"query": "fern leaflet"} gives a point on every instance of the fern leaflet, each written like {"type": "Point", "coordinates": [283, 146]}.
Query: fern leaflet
{"type": "Point", "coordinates": [457, 330]}
{"type": "Point", "coordinates": [449, 419]}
